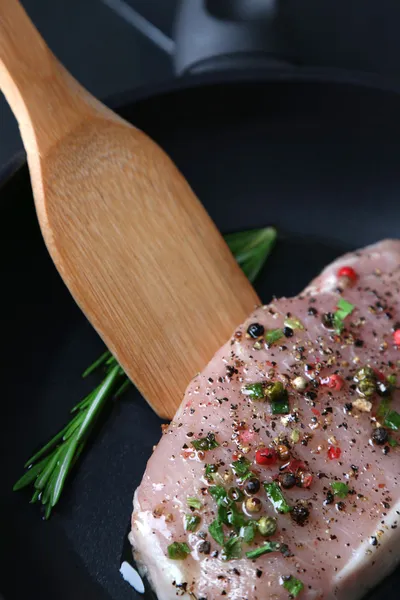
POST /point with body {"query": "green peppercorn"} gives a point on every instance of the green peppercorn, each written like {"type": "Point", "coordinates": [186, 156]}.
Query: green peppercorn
{"type": "Point", "coordinates": [364, 373]}
{"type": "Point", "coordinates": [366, 388]}
{"type": "Point", "coordinates": [252, 486]}
{"type": "Point", "coordinates": [276, 391]}
{"type": "Point", "coordinates": [253, 505]}
{"type": "Point", "coordinates": [267, 526]}
{"type": "Point", "coordinates": [235, 494]}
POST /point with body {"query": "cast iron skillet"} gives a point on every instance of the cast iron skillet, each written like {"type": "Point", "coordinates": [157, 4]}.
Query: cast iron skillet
{"type": "Point", "coordinates": [318, 159]}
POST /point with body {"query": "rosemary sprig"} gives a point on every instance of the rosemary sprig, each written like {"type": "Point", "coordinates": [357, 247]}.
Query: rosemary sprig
{"type": "Point", "coordinates": [48, 469]}
{"type": "Point", "coordinates": [251, 248]}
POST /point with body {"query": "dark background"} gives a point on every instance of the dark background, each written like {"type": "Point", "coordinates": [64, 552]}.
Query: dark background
{"type": "Point", "coordinates": [107, 46]}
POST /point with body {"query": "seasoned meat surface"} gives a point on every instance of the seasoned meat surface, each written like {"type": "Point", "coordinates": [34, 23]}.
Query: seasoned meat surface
{"type": "Point", "coordinates": [286, 447]}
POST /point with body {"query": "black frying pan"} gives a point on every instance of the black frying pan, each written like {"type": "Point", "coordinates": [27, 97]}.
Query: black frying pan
{"type": "Point", "coordinates": [316, 155]}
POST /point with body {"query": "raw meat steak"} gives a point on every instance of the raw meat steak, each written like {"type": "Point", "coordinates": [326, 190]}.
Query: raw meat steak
{"type": "Point", "coordinates": [292, 426]}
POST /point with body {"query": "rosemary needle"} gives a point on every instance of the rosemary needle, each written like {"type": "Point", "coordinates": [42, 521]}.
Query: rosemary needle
{"type": "Point", "coordinates": [48, 469]}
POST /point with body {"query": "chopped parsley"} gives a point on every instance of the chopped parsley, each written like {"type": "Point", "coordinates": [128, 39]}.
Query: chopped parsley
{"type": "Point", "coordinates": [392, 420]}
{"type": "Point", "coordinates": [232, 549]}
{"type": "Point", "coordinates": [276, 497]}
{"type": "Point", "coordinates": [193, 502]}
{"type": "Point", "coordinates": [254, 390]}
{"type": "Point", "coordinates": [248, 532]}
{"type": "Point", "coordinates": [292, 585]}
{"type": "Point", "coordinates": [207, 443]}
{"type": "Point", "coordinates": [178, 550]}
{"type": "Point", "coordinates": [293, 323]}
{"type": "Point", "coordinates": [280, 407]}
{"type": "Point", "coordinates": [216, 531]}
{"type": "Point", "coordinates": [344, 309]}
{"type": "Point", "coordinates": [340, 489]}
{"type": "Point", "coordinates": [235, 518]}
{"type": "Point", "coordinates": [264, 549]}
{"type": "Point", "coordinates": [383, 408]}
{"type": "Point", "coordinates": [241, 468]}
{"type": "Point", "coordinates": [192, 522]}
{"type": "Point", "coordinates": [218, 492]}
{"type": "Point", "coordinates": [273, 335]}
{"type": "Point", "coordinates": [392, 379]}
{"type": "Point", "coordinates": [209, 472]}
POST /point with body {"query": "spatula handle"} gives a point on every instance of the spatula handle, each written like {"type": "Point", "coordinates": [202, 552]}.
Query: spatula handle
{"type": "Point", "coordinates": [44, 98]}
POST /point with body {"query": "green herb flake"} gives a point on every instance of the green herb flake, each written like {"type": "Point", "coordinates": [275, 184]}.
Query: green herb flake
{"type": "Point", "coordinates": [340, 489]}
{"type": "Point", "coordinates": [236, 519]}
{"type": "Point", "coordinates": [218, 492]}
{"type": "Point", "coordinates": [392, 420]}
{"type": "Point", "coordinates": [392, 379]}
{"type": "Point", "coordinates": [216, 531]}
{"type": "Point", "coordinates": [241, 468]}
{"type": "Point", "coordinates": [273, 335]}
{"type": "Point", "coordinates": [193, 502]}
{"type": "Point", "coordinates": [280, 407]}
{"type": "Point", "coordinates": [207, 443]}
{"type": "Point", "coordinates": [392, 443]}
{"type": "Point", "coordinates": [266, 548]}
{"type": "Point", "coordinates": [276, 497]}
{"type": "Point", "coordinates": [248, 532]}
{"type": "Point", "coordinates": [210, 470]}
{"type": "Point", "coordinates": [192, 522]}
{"type": "Point", "coordinates": [254, 390]}
{"type": "Point", "coordinates": [232, 549]}
{"type": "Point", "coordinates": [178, 550]}
{"type": "Point", "coordinates": [292, 585]}
{"type": "Point", "coordinates": [383, 408]}
{"type": "Point", "coordinates": [344, 309]}
{"type": "Point", "coordinates": [293, 323]}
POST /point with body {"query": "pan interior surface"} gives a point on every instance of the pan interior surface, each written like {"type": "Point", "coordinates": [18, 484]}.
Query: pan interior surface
{"type": "Point", "coordinates": [317, 160]}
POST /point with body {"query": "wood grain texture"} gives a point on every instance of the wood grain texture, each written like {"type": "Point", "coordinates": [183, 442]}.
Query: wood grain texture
{"type": "Point", "coordinates": [133, 244]}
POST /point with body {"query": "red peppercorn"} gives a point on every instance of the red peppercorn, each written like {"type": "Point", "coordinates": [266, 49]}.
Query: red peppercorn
{"type": "Point", "coordinates": [396, 337]}
{"type": "Point", "coordinates": [333, 382]}
{"type": "Point", "coordinates": [334, 452]}
{"type": "Point", "coordinates": [304, 479]}
{"type": "Point", "coordinates": [348, 272]}
{"type": "Point", "coordinates": [266, 456]}
{"type": "Point", "coordinates": [295, 465]}
{"type": "Point", "coordinates": [379, 375]}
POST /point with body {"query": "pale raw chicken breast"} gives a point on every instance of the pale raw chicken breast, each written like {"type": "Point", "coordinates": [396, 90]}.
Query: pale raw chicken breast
{"type": "Point", "coordinates": [328, 456]}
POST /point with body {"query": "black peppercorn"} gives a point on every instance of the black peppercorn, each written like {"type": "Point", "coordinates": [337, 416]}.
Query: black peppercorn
{"type": "Point", "coordinates": [287, 480]}
{"type": "Point", "coordinates": [312, 311]}
{"type": "Point", "coordinates": [255, 330]}
{"type": "Point", "coordinates": [373, 541]}
{"type": "Point", "coordinates": [329, 498]}
{"type": "Point", "coordinates": [205, 547]}
{"type": "Point", "coordinates": [380, 436]}
{"type": "Point", "coordinates": [252, 486]}
{"type": "Point", "coordinates": [327, 320]}
{"type": "Point", "coordinates": [383, 388]}
{"type": "Point", "coordinates": [300, 514]}
{"type": "Point", "coordinates": [288, 332]}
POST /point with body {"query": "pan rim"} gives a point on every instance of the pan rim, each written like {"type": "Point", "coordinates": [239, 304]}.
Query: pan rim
{"type": "Point", "coordinates": [293, 74]}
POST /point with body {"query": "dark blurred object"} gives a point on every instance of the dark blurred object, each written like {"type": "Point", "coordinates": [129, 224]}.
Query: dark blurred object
{"type": "Point", "coordinates": [229, 34]}
{"type": "Point", "coordinates": [354, 35]}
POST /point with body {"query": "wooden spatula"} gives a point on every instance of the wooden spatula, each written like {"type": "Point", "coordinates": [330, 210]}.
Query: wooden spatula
{"type": "Point", "coordinates": [133, 244]}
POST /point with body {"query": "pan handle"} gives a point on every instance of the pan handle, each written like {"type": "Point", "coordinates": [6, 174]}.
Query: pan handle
{"type": "Point", "coordinates": [229, 34]}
